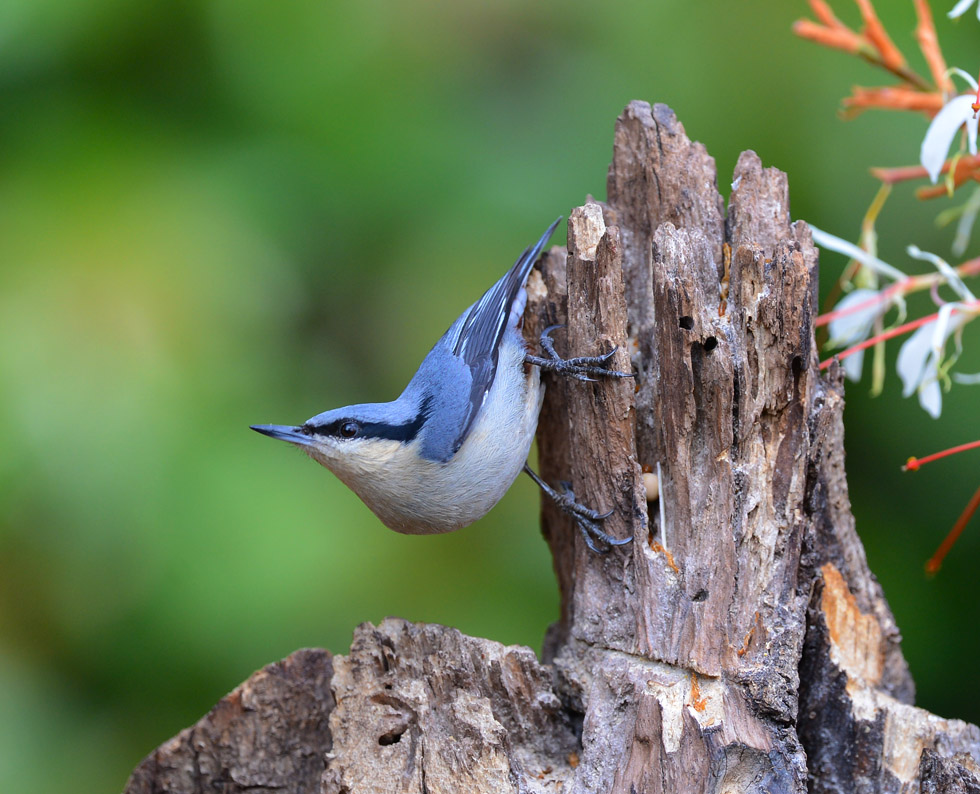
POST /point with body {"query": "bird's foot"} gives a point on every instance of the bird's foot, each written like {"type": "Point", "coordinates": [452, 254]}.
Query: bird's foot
{"type": "Point", "coordinates": [579, 368]}
{"type": "Point", "coordinates": [588, 521]}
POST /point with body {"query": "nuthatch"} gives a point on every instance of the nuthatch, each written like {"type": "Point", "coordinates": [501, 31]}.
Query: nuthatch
{"type": "Point", "coordinates": [446, 451]}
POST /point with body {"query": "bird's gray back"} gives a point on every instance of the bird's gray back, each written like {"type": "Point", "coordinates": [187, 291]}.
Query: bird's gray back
{"type": "Point", "coordinates": [458, 372]}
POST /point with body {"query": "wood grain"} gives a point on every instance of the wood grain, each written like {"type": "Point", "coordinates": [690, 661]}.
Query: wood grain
{"type": "Point", "coordinates": [739, 643]}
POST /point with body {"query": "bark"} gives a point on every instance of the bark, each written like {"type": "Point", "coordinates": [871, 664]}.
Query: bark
{"type": "Point", "coordinates": [270, 734]}
{"type": "Point", "coordinates": [739, 644]}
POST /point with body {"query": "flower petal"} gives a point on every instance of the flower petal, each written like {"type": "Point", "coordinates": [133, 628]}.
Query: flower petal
{"type": "Point", "coordinates": [834, 243]}
{"type": "Point", "coordinates": [967, 77]}
{"type": "Point", "coordinates": [920, 358]}
{"type": "Point", "coordinates": [971, 127]}
{"type": "Point", "coordinates": [854, 326]}
{"type": "Point", "coordinates": [853, 365]}
{"type": "Point", "coordinates": [960, 8]}
{"type": "Point", "coordinates": [912, 357]}
{"type": "Point", "coordinates": [949, 273]}
{"type": "Point", "coordinates": [935, 146]}
{"type": "Point", "coordinates": [964, 228]}
{"type": "Point", "coordinates": [931, 398]}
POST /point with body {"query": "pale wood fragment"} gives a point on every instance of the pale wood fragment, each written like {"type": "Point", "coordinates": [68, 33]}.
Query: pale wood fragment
{"type": "Point", "coordinates": [425, 708]}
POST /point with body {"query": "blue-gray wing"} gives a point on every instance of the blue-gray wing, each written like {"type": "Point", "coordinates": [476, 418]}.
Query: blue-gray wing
{"type": "Point", "coordinates": [475, 337]}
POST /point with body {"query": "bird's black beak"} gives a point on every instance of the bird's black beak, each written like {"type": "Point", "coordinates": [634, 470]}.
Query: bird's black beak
{"type": "Point", "coordinates": [294, 435]}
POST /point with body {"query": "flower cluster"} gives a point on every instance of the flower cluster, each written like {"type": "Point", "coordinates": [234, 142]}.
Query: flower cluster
{"type": "Point", "coordinates": [873, 307]}
{"type": "Point", "coordinates": [923, 363]}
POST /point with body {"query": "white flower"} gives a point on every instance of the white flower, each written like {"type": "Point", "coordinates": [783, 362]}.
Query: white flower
{"type": "Point", "coordinates": [949, 273]}
{"type": "Point", "coordinates": [943, 128]}
{"type": "Point", "coordinates": [964, 227]}
{"type": "Point", "coordinates": [922, 354]}
{"type": "Point", "coordinates": [834, 243]}
{"type": "Point", "coordinates": [851, 327]}
{"type": "Point", "coordinates": [961, 7]}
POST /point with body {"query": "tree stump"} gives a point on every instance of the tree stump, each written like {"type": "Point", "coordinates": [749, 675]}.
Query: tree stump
{"type": "Point", "coordinates": [739, 644]}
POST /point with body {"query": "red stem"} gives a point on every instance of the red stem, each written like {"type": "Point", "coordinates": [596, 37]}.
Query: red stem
{"type": "Point", "coordinates": [902, 329]}
{"type": "Point", "coordinates": [915, 463]}
{"type": "Point", "coordinates": [935, 562]}
{"type": "Point", "coordinates": [969, 268]}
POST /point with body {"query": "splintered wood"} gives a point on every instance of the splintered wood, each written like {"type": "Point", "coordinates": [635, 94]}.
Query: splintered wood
{"type": "Point", "coordinates": [738, 644]}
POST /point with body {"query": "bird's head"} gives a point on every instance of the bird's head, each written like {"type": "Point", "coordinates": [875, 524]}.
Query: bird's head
{"type": "Point", "coordinates": [356, 441]}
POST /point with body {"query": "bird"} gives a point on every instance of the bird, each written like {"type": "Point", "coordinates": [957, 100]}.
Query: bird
{"type": "Point", "coordinates": [443, 453]}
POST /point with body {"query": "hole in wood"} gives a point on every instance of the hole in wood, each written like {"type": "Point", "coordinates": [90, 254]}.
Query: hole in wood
{"type": "Point", "coordinates": [392, 737]}
{"type": "Point", "coordinates": [700, 595]}
{"type": "Point", "coordinates": [687, 323]}
{"type": "Point", "coordinates": [710, 343]}
{"type": "Point", "coordinates": [797, 366]}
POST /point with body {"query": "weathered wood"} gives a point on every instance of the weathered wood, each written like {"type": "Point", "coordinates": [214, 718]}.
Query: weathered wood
{"type": "Point", "coordinates": [740, 643]}
{"type": "Point", "coordinates": [271, 734]}
{"type": "Point", "coordinates": [425, 708]}
{"type": "Point", "coordinates": [705, 607]}
{"type": "Point", "coordinates": [856, 721]}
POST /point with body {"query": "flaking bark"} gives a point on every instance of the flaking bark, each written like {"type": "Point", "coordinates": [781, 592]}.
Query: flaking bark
{"type": "Point", "coordinates": [739, 644]}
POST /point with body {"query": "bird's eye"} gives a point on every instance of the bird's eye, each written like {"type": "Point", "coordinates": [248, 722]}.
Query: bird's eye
{"type": "Point", "coordinates": [349, 429]}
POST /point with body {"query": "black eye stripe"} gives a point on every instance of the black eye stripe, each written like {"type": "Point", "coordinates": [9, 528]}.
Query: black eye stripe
{"type": "Point", "coordinates": [335, 428]}
{"type": "Point", "coordinates": [405, 432]}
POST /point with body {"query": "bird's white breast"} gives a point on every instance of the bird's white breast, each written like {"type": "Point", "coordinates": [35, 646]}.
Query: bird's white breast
{"type": "Point", "coordinates": [416, 496]}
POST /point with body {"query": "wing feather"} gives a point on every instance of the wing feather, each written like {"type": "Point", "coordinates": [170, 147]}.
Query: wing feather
{"type": "Point", "coordinates": [475, 336]}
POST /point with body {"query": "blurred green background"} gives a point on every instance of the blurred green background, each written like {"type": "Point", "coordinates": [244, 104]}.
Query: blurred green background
{"type": "Point", "coordinates": [224, 212]}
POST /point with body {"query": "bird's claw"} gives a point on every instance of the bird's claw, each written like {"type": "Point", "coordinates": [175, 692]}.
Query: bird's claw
{"type": "Point", "coordinates": [588, 520]}
{"type": "Point", "coordinates": [580, 367]}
